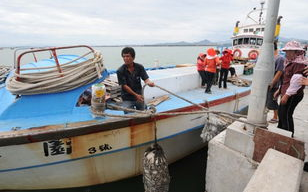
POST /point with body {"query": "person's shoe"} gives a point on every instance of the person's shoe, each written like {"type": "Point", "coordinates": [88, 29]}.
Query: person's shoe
{"type": "Point", "coordinates": [208, 92]}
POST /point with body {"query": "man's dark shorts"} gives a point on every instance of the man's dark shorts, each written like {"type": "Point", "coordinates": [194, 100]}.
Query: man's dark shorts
{"type": "Point", "coordinates": [271, 104]}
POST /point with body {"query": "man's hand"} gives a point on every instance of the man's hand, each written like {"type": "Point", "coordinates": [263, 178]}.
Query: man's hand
{"type": "Point", "coordinates": [304, 81]}
{"type": "Point", "coordinates": [139, 98]}
{"type": "Point", "coordinates": [306, 71]}
{"type": "Point", "coordinates": [149, 83]}
{"type": "Point", "coordinates": [284, 99]}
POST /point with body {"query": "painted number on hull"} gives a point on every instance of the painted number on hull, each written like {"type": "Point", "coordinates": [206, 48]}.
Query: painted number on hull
{"type": "Point", "coordinates": [57, 147]}
{"type": "Point", "coordinates": [104, 147]}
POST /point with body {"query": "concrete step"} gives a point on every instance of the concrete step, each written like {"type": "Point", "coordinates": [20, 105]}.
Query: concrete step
{"type": "Point", "coordinates": [276, 172]}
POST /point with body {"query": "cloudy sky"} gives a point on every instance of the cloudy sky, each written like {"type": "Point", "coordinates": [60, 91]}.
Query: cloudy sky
{"type": "Point", "coordinates": [114, 22]}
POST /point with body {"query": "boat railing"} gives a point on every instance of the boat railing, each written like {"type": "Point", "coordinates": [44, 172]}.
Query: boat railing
{"type": "Point", "coordinates": [51, 50]}
{"type": "Point", "coordinates": [16, 50]}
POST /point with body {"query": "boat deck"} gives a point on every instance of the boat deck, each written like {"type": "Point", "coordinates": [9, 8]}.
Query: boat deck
{"type": "Point", "coordinates": [83, 114]}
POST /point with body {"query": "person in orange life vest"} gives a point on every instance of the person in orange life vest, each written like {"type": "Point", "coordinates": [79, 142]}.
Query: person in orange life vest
{"type": "Point", "coordinates": [200, 68]}
{"type": "Point", "coordinates": [216, 76]}
{"type": "Point", "coordinates": [225, 65]}
{"type": "Point", "coordinates": [211, 61]}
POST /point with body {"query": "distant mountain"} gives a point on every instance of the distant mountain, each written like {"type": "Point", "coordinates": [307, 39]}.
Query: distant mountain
{"type": "Point", "coordinates": [184, 43]}
{"type": "Point", "coordinates": [285, 40]}
{"type": "Point", "coordinates": [204, 42]}
{"type": "Point", "coordinates": [224, 43]}
{"type": "Point", "coordinates": [181, 43]}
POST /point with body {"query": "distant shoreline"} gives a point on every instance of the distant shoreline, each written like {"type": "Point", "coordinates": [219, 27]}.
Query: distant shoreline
{"type": "Point", "coordinates": [15, 47]}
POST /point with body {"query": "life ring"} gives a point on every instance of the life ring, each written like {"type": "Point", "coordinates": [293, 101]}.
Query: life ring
{"type": "Point", "coordinates": [253, 54]}
{"type": "Point", "coordinates": [237, 53]}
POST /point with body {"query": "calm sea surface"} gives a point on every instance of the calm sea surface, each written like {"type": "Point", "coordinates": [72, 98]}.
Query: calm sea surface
{"type": "Point", "coordinates": [148, 56]}
{"type": "Point", "coordinates": [188, 174]}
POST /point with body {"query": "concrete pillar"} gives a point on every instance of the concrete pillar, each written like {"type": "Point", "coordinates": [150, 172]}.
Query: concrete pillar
{"type": "Point", "coordinates": [264, 69]}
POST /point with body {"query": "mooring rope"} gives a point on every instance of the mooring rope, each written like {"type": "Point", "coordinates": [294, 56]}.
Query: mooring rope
{"type": "Point", "coordinates": [144, 114]}
{"type": "Point", "coordinates": [51, 81]}
{"type": "Point", "coordinates": [149, 113]}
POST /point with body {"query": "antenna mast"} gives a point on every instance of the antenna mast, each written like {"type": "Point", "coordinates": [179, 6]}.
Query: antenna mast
{"type": "Point", "coordinates": [261, 11]}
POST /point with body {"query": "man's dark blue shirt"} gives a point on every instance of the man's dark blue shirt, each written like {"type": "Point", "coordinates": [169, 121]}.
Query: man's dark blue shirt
{"type": "Point", "coordinates": [131, 79]}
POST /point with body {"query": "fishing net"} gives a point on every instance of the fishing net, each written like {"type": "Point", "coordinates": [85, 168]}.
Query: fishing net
{"type": "Point", "coordinates": [213, 126]}
{"type": "Point", "coordinates": [155, 170]}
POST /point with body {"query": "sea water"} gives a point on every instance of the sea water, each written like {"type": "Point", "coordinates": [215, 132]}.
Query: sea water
{"type": "Point", "coordinates": [187, 174]}
{"type": "Point", "coordinates": [148, 56]}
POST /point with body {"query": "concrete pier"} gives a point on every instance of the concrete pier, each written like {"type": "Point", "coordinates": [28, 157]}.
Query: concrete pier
{"type": "Point", "coordinates": [276, 172]}
{"type": "Point", "coordinates": [301, 131]}
{"type": "Point", "coordinates": [234, 155]}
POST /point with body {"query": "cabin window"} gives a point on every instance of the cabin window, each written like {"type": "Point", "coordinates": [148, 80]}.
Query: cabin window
{"type": "Point", "coordinates": [258, 29]}
{"type": "Point", "coordinates": [245, 30]}
{"type": "Point", "coordinates": [246, 40]}
{"type": "Point", "coordinates": [259, 41]}
{"type": "Point", "coordinates": [262, 29]}
{"type": "Point", "coordinates": [240, 41]}
{"type": "Point", "coordinates": [253, 41]}
{"type": "Point", "coordinates": [251, 30]}
{"type": "Point", "coordinates": [235, 42]}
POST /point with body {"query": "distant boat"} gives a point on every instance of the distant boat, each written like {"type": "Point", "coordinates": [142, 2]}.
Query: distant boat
{"type": "Point", "coordinates": [247, 37]}
{"type": "Point", "coordinates": [47, 141]}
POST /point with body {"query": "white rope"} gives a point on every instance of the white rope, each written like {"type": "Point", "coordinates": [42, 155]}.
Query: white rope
{"type": "Point", "coordinates": [52, 81]}
{"type": "Point", "coordinates": [4, 71]}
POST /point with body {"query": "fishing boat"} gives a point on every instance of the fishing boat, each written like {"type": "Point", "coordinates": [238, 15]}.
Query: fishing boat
{"type": "Point", "coordinates": [247, 37]}
{"type": "Point", "coordinates": [48, 141]}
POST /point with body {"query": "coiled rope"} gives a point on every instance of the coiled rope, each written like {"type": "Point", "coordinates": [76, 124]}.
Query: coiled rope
{"type": "Point", "coordinates": [4, 71]}
{"type": "Point", "coordinates": [51, 81]}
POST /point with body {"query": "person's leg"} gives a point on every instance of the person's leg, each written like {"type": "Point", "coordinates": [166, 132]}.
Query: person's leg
{"type": "Point", "coordinates": [200, 73]}
{"type": "Point", "coordinates": [225, 77]}
{"type": "Point", "coordinates": [207, 80]}
{"type": "Point", "coordinates": [203, 78]}
{"type": "Point", "coordinates": [232, 71]}
{"type": "Point", "coordinates": [293, 102]}
{"type": "Point", "coordinates": [285, 113]}
{"type": "Point", "coordinates": [271, 104]}
{"type": "Point", "coordinates": [275, 114]}
{"type": "Point", "coordinates": [140, 106]}
{"type": "Point", "coordinates": [220, 78]}
{"type": "Point", "coordinates": [213, 79]}
{"type": "Point", "coordinates": [217, 76]}
{"type": "Point", "coordinates": [210, 77]}
{"type": "Point", "coordinates": [282, 117]}
{"type": "Point", "coordinates": [128, 104]}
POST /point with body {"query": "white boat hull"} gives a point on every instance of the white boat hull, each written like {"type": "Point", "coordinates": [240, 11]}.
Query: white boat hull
{"type": "Point", "coordinates": [101, 157]}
